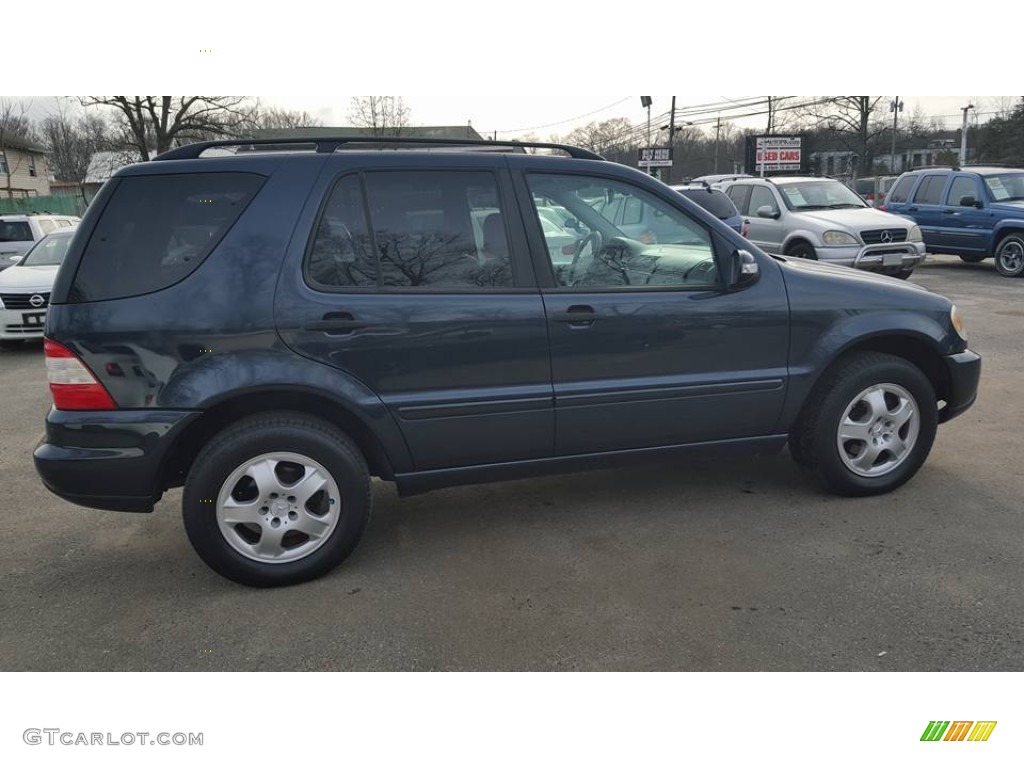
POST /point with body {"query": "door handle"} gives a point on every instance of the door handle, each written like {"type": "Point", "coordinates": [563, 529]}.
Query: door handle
{"type": "Point", "coordinates": [335, 324]}
{"type": "Point", "coordinates": [912, 208]}
{"type": "Point", "coordinates": [577, 316]}
{"type": "Point", "coordinates": [949, 210]}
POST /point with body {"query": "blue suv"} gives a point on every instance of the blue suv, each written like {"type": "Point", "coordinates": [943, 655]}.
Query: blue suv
{"type": "Point", "coordinates": [972, 212]}
{"type": "Point", "coordinates": [272, 327]}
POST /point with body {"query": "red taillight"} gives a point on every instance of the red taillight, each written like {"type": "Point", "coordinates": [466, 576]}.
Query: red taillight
{"type": "Point", "coordinates": [72, 384]}
{"type": "Point", "coordinates": [745, 229]}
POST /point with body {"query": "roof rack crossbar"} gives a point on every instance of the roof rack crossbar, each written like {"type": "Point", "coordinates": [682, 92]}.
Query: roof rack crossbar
{"type": "Point", "coordinates": [329, 144]}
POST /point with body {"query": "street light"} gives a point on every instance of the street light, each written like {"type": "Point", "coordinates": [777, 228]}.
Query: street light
{"type": "Point", "coordinates": [895, 106]}
{"type": "Point", "coordinates": [963, 136]}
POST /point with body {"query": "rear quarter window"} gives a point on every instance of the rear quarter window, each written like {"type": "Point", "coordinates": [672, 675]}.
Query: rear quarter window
{"type": "Point", "coordinates": [713, 201]}
{"type": "Point", "coordinates": [901, 192]}
{"type": "Point", "coordinates": [156, 230]}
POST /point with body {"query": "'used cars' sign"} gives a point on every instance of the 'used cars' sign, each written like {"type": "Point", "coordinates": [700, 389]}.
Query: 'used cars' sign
{"type": "Point", "coordinates": [777, 153]}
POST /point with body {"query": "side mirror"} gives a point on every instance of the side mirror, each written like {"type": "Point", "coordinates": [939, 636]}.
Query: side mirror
{"type": "Point", "coordinates": [968, 201]}
{"type": "Point", "coordinates": [767, 212]}
{"type": "Point", "coordinates": [743, 269]}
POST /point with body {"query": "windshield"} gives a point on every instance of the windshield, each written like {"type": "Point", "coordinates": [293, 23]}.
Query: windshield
{"type": "Point", "coordinates": [819, 194]}
{"type": "Point", "coordinates": [15, 231]}
{"type": "Point", "coordinates": [48, 252]}
{"type": "Point", "coordinates": [1005, 186]}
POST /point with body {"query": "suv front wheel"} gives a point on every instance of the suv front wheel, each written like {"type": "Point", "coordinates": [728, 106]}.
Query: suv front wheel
{"type": "Point", "coordinates": [1010, 255]}
{"type": "Point", "coordinates": [868, 426]}
{"type": "Point", "coordinates": [276, 499]}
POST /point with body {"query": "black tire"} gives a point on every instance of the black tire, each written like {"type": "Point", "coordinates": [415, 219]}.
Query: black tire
{"type": "Point", "coordinates": [802, 250]}
{"type": "Point", "coordinates": [816, 431]}
{"type": "Point", "coordinates": [278, 432]}
{"type": "Point", "coordinates": [974, 258]}
{"type": "Point", "coordinates": [1010, 255]}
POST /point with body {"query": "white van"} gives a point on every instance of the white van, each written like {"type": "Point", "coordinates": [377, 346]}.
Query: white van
{"type": "Point", "coordinates": [20, 231]}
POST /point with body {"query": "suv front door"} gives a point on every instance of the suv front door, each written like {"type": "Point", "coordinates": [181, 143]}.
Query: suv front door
{"type": "Point", "coordinates": [416, 281]}
{"type": "Point", "coordinates": [965, 229]}
{"type": "Point", "coordinates": [647, 347]}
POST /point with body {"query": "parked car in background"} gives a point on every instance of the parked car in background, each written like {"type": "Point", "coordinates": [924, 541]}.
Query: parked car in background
{"type": "Point", "coordinates": [25, 288]}
{"type": "Point", "coordinates": [343, 318]}
{"type": "Point", "coordinates": [822, 219]}
{"type": "Point", "coordinates": [873, 189]}
{"type": "Point", "coordinates": [19, 232]}
{"type": "Point", "coordinates": [715, 202]}
{"type": "Point", "coordinates": [718, 178]}
{"type": "Point", "coordinates": [972, 212]}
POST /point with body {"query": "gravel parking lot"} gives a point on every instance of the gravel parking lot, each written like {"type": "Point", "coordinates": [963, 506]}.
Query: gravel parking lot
{"type": "Point", "coordinates": [734, 566]}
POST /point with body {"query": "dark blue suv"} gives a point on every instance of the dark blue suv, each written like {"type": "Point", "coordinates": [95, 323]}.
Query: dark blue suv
{"type": "Point", "coordinates": [272, 326]}
{"type": "Point", "coordinates": [972, 212]}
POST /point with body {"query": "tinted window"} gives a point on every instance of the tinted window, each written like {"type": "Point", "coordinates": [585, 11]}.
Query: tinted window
{"type": "Point", "coordinates": [715, 202]}
{"type": "Point", "coordinates": [902, 190]}
{"type": "Point", "coordinates": [738, 194]}
{"type": "Point", "coordinates": [156, 230]}
{"type": "Point", "coordinates": [962, 186]}
{"type": "Point", "coordinates": [342, 253]}
{"type": "Point", "coordinates": [930, 190]}
{"type": "Point", "coordinates": [15, 231]}
{"type": "Point", "coordinates": [760, 196]}
{"type": "Point", "coordinates": [439, 229]}
{"type": "Point", "coordinates": [668, 250]}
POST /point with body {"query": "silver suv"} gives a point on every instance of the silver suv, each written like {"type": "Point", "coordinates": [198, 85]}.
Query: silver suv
{"type": "Point", "coordinates": [823, 219]}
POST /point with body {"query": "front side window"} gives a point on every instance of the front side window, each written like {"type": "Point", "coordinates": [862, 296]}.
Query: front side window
{"type": "Point", "coordinates": [962, 186]}
{"type": "Point", "coordinates": [760, 197]}
{"type": "Point", "coordinates": [738, 194]}
{"type": "Point", "coordinates": [665, 248]}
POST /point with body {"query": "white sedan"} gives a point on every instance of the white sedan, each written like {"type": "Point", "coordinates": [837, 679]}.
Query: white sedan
{"type": "Point", "coordinates": [25, 288]}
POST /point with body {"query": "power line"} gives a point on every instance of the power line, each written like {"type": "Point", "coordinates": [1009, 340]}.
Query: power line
{"type": "Point", "coordinates": [567, 120]}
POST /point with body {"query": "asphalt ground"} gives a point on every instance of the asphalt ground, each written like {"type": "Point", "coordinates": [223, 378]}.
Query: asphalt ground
{"type": "Point", "coordinates": [740, 565]}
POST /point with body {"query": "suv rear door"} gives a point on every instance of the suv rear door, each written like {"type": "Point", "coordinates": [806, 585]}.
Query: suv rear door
{"type": "Point", "coordinates": [411, 274]}
{"type": "Point", "coordinates": [647, 348]}
{"type": "Point", "coordinates": [925, 207]}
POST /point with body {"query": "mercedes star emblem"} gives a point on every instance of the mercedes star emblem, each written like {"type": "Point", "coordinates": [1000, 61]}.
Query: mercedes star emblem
{"type": "Point", "coordinates": [886, 236]}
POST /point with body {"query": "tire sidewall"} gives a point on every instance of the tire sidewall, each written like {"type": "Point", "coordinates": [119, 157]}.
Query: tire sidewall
{"type": "Point", "coordinates": [212, 468]}
{"type": "Point", "coordinates": [1014, 238]}
{"type": "Point", "coordinates": [803, 251]}
{"type": "Point", "coordinates": [824, 443]}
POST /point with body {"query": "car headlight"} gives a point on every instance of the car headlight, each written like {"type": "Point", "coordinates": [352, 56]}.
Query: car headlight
{"type": "Point", "coordinates": [958, 322]}
{"type": "Point", "coordinates": [915, 235]}
{"type": "Point", "coordinates": [835, 237]}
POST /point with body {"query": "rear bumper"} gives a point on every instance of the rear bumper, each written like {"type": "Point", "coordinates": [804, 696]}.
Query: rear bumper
{"type": "Point", "coordinates": [108, 459]}
{"type": "Point", "coordinates": [964, 372]}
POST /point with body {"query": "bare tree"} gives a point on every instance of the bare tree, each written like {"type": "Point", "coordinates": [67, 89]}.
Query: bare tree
{"type": "Point", "coordinates": [72, 139]}
{"type": "Point", "coordinates": [15, 131]}
{"type": "Point", "coordinates": [272, 118]}
{"type": "Point", "coordinates": [853, 121]}
{"type": "Point", "coordinates": [382, 115]}
{"type": "Point", "coordinates": [606, 136]}
{"type": "Point", "coordinates": [161, 122]}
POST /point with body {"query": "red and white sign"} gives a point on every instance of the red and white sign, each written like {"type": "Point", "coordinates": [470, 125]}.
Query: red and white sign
{"type": "Point", "coordinates": [778, 153]}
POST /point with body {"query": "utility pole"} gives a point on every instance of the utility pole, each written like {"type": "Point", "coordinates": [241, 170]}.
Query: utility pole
{"type": "Point", "coordinates": [963, 136]}
{"type": "Point", "coordinates": [718, 129]}
{"type": "Point", "coordinates": [895, 106]}
{"type": "Point", "coordinates": [671, 133]}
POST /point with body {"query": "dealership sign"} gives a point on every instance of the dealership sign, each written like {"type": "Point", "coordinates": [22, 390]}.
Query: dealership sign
{"type": "Point", "coordinates": [652, 157]}
{"type": "Point", "coordinates": [778, 153]}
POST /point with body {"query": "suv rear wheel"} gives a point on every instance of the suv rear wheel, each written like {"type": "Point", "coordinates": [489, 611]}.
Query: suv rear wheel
{"type": "Point", "coordinates": [868, 426]}
{"type": "Point", "coordinates": [1010, 255]}
{"type": "Point", "coordinates": [277, 499]}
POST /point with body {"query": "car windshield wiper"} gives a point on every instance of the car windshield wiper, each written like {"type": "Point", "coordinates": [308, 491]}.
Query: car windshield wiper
{"type": "Point", "coordinates": [845, 205]}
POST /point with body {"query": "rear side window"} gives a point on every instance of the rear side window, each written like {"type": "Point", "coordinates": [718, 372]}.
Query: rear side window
{"type": "Point", "coordinates": [713, 201]}
{"type": "Point", "coordinates": [930, 191]}
{"type": "Point", "coordinates": [738, 195]}
{"type": "Point", "coordinates": [156, 230]}
{"type": "Point", "coordinates": [902, 190]}
{"type": "Point", "coordinates": [15, 231]}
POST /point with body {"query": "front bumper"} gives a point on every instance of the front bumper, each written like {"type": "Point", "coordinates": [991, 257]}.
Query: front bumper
{"type": "Point", "coordinates": [876, 258]}
{"type": "Point", "coordinates": [108, 459]}
{"type": "Point", "coordinates": [964, 372]}
{"type": "Point", "coordinates": [18, 324]}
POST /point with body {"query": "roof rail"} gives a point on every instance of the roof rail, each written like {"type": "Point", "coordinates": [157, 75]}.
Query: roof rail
{"type": "Point", "coordinates": [936, 168]}
{"type": "Point", "coordinates": [330, 144]}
